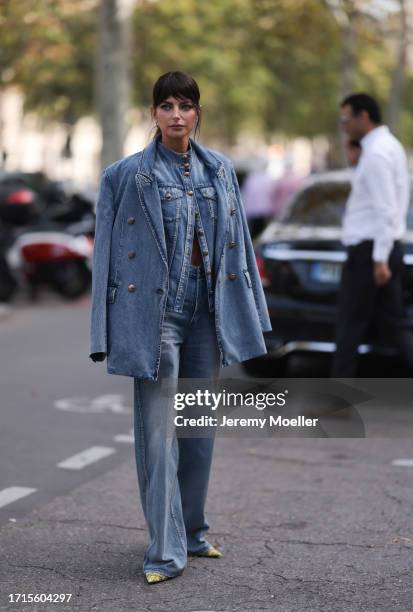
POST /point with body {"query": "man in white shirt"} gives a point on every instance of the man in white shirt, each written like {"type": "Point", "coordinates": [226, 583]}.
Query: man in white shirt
{"type": "Point", "coordinates": [374, 223]}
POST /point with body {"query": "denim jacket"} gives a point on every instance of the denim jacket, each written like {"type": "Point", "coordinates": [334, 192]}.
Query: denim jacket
{"type": "Point", "coordinates": [189, 203]}
{"type": "Point", "coordinates": [131, 276]}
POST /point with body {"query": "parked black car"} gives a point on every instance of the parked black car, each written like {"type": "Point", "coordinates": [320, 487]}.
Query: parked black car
{"type": "Point", "coordinates": [300, 260]}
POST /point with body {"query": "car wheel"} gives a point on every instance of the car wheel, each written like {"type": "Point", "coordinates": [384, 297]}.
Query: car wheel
{"type": "Point", "coordinates": [266, 367]}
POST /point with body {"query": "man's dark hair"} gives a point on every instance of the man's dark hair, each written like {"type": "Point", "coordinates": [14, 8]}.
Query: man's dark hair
{"type": "Point", "coordinates": [363, 102]}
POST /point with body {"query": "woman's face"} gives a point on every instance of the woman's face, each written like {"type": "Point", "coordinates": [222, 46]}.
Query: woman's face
{"type": "Point", "coordinates": [176, 118]}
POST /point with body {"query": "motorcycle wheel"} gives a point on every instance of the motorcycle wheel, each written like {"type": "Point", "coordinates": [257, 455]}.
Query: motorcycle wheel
{"type": "Point", "coordinates": [72, 279]}
{"type": "Point", "coordinates": [8, 285]}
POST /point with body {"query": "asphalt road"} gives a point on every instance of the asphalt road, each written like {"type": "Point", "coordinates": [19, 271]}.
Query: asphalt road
{"type": "Point", "coordinates": [55, 403]}
{"type": "Point", "coordinates": [322, 524]}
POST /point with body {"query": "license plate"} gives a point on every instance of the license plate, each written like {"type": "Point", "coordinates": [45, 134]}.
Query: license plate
{"type": "Point", "coordinates": [326, 272]}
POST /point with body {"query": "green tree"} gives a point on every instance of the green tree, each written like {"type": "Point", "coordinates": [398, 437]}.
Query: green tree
{"type": "Point", "coordinates": [268, 66]}
{"type": "Point", "coordinates": [254, 66]}
{"type": "Point", "coordinates": [49, 50]}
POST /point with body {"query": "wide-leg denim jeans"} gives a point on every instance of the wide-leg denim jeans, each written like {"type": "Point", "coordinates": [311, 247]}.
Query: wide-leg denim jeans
{"type": "Point", "coordinates": [173, 472]}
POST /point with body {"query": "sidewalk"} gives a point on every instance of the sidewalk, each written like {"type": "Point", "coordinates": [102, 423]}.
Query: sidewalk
{"type": "Point", "coordinates": [304, 524]}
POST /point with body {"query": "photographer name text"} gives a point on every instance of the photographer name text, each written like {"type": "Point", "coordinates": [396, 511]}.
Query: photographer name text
{"type": "Point", "coordinates": [260, 422]}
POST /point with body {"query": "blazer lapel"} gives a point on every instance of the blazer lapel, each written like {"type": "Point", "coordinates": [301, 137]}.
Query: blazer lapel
{"type": "Point", "coordinates": [222, 228]}
{"type": "Point", "coordinates": [149, 198]}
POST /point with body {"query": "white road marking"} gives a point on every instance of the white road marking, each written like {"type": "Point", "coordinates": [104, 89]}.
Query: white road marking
{"type": "Point", "coordinates": [86, 457]}
{"type": "Point", "coordinates": [11, 494]}
{"type": "Point", "coordinates": [103, 403]}
{"type": "Point", "coordinates": [403, 462]}
{"type": "Point", "coordinates": [128, 438]}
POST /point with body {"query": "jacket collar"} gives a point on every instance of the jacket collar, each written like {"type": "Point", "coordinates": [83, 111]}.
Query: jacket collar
{"type": "Point", "coordinates": [177, 159]}
{"type": "Point", "coordinates": [149, 154]}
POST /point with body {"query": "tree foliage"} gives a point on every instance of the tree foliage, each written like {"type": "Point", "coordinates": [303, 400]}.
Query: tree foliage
{"type": "Point", "coordinates": [258, 62]}
{"type": "Point", "coordinates": [49, 50]}
{"type": "Point", "coordinates": [268, 66]}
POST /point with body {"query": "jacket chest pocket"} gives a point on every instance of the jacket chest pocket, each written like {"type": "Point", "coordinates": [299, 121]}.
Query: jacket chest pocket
{"type": "Point", "coordinates": [171, 201]}
{"type": "Point", "coordinates": [207, 199]}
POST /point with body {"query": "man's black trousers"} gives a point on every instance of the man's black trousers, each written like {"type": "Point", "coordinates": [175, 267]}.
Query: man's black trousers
{"type": "Point", "coordinates": [362, 303]}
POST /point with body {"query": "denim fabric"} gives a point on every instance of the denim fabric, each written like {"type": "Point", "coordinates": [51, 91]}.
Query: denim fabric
{"type": "Point", "coordinates": [131, 274]}
{"type": "Point", "coordinates": [189, 202]}
{"type": "Point", "coordinates": [173, 472]}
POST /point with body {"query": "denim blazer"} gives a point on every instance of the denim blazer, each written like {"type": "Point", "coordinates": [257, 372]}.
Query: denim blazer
{"type": "Point", "coordinates": [130, 269]}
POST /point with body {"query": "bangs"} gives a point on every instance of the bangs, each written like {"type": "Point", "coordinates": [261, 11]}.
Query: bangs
{"type": "Point", "coordinates": [176, 84]}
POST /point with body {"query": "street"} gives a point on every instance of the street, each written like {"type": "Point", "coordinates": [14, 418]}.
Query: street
{"type": "Point", "coordinates": [304, 524]}
{"type": "Point", "coordinates": [56, 403]}
{"type": "Point", "coordinates": [220, 179]}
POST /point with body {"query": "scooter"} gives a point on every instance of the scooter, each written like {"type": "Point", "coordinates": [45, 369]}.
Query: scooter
{"type": "Point", "coordinates": [57, 259]}
{"type": "Point", "coordinates": [51, 251]}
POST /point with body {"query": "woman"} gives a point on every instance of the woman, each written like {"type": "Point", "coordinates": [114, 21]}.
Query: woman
{"type": "Point", "coordinates": [176, 293]}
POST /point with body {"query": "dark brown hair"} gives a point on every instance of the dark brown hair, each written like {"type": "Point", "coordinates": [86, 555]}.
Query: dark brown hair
{"type": "Point", "coordinates": [179, 85]}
